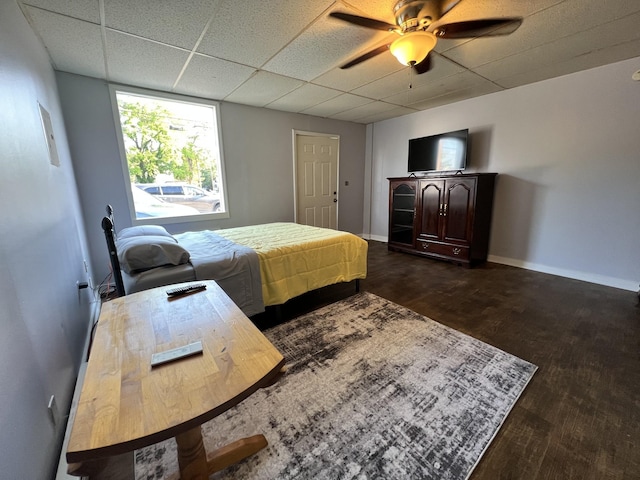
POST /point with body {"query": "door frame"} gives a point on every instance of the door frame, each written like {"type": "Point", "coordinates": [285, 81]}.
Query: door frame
{"type": "Point", "coordinates": [295, 133]}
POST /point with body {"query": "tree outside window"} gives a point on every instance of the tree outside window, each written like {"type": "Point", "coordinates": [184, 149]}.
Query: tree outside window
{"type": "Point", "coordinates": [172, 154]}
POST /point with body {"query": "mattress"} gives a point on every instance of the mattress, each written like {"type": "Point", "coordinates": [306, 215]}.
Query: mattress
{"type": "Point", "coordinates": [234, 267]}
{"type": "Point", "coordinates": [295, 259]}
{"type": "Point", "coordinates": [262, 265]}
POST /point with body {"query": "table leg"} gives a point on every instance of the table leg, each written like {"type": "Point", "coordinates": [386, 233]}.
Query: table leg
{"type": "Point", "coordinates": [192, 457]}
{"type": "Point", "coordinates": [234, 452]}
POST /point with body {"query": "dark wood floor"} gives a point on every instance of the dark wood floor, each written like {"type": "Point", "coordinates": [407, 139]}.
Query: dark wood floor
{"type": "Point", "coordinates": [579, 418]}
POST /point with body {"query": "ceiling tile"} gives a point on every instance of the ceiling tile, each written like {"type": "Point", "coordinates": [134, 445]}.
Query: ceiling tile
{"type": "Point", "coordinates": [251, 32]}
{"type": "Point", "coordinates": [465, 81]}
{"type": "Point", "coordinates": [336, 105]}
{"type": "Point", "coordinates": [174, 23]}
{"type": "Point", "coordinates": [285, 54]}
{"type": "Point", "coordinates": [88, 10]}
{"type": "Point", "coordinates": [361, 74]}
{"type": "Point", "coordinates": [211, 77]}
{"type": "Point", "coordinates": [263, 88]}
{"type": "Point", "coordinates": [403, 80]}
{"type": "Point", "coordinates": [456, 95]}
{"type": "Point", "coordinates": [327, 44]}
{"type": "Point", "coordinates": [392, 113]}
{"type": "Point", "coordinates": [143, 63]}
{"type": "Point", "coordinates": [529, 36]}
{"type": "Point", "coordinates": [376, 9]}
{"type": "Point", "coordinates": [367, 110]}
{"type": "Point", "coordinates": [304, 97]}
{"type": "Point", "coordinates": [590, 60]}
{"type": "Point", "coordinates": [479, 9]}
{"type": "Point", "coordinates": [563, 50]}
{"type": "Point", "coordinates": [74, 45]}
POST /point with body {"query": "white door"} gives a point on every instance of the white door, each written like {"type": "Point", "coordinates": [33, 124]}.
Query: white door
{"type": "Point", "coordinates": [317, 180]}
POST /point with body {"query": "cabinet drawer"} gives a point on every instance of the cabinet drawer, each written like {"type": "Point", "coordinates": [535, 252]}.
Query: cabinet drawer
{"type": "Point", "coordinates": [452, 251]}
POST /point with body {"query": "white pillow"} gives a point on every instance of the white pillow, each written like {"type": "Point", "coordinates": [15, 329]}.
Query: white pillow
{"type": "Point", "coordinates": [143, 253]}
{"type": "Point", "coordinates": [143, 231]}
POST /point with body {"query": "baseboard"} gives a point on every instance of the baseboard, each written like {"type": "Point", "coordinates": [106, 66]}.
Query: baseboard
{"type": "Point", "coordinates": [61, 473]}
{"type": "Point", "coordinates": [629, 285]}
{"type": "Point", "coordinates": [377, 238]}
{"type": "Point", "coordinates": [562, 272]}
{"type": "Point", "coordinates": [62, 464]}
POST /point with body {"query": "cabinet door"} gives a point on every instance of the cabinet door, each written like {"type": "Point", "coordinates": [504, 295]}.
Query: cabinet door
{"type": "Point", "coordinates": [432, 204]}
{"type": "Point", "coordinates": [458, 210]}
{"type": "Point", "coordinates": [402, 200]}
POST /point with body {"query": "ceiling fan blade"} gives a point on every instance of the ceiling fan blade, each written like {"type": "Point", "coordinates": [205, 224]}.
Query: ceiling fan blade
{"type": "Point", "coordinates": [424, 66]}
{"type": "Point", "coordinates": [363, 21]}
{"type": "Point", "coordinates": [447, 6]}
{"type": "Point", "coordinates": [489, 27]}
{"type": "Point", "coordinates": [366, 56]}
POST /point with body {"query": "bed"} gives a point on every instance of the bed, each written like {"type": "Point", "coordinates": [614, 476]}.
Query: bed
{"type": "Point", "coordinates": [257, 266]}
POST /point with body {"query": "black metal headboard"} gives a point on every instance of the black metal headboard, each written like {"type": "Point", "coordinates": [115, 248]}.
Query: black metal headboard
{"type": "Point", "coordinates": [108, 225]}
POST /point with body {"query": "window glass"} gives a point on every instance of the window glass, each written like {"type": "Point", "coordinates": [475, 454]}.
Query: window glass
{"type": "Point", "coordinates": [169, 145]}
{"type": "Point", "coordinates": [171, 190]}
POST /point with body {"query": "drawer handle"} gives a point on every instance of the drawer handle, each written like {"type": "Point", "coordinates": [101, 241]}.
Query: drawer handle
{"type": "Point", "coordinates": [456, 251]}
{"type": "Point", "coordinates": [425, 246]}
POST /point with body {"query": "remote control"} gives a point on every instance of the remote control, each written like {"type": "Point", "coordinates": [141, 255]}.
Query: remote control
{"type": "Point", "coordinates": [175, 292]}
{"type": "Point", "coordinates": [176, 353]}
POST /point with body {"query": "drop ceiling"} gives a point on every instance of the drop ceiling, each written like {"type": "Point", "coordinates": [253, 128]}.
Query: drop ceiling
{"type": "Point", "coordinates": [285, 54]}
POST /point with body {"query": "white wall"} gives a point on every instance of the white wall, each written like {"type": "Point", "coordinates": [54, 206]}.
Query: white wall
{"type": "Point", "coordinates": [44, 318]}
{"type": "Point", "coordinates": [567, 152]}
{"type": "Point", "coordinates": [258, 156]}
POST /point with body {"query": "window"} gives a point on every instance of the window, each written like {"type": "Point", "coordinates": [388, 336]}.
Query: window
{"type": "Point", "coordinates": [172, 190]}
{"type": "Point", "coordinates": [172, 155]}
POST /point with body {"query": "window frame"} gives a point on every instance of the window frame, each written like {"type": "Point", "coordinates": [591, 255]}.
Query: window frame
{"type": "Point", "coordinates": [113, 90]}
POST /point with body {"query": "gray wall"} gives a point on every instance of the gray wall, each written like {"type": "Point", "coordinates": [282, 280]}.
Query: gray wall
{"type": "Point", "coordinates": [567, 152]}
{"type": "Point", "coordinates": [258, 157]}
{"type": "Point", "coordinates": [44, 319]}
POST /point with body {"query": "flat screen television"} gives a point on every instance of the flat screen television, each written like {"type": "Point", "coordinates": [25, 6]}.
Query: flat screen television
{"type": "Point", "coordinates": [439, 153]}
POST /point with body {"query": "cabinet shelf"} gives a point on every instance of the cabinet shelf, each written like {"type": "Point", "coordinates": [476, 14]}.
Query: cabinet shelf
{"type": "Point", "coordinates": [397, 226]}
{"type": "Point", "coordinates": [402, 214]}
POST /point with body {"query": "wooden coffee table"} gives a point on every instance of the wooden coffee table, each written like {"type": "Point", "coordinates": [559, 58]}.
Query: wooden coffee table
{"type": "Point", "coordinates": [126, 404]}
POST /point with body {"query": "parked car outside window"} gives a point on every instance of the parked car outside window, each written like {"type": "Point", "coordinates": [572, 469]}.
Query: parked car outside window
{"type": "Point", "coordinates": [189, 195]}
{"type": "Point", "coordinates": [147, 205]}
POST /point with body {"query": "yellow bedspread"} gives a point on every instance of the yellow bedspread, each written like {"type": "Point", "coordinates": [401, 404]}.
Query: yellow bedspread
{"type": "Point", "coordinates": [295, 259]}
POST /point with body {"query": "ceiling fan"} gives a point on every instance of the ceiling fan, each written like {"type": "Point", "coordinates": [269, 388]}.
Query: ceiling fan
{"type": "Point", "coordinates": [416, 24]}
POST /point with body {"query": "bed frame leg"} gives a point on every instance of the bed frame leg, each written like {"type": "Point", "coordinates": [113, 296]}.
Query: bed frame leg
{"type": "Point", "coordinates": [357, 285]}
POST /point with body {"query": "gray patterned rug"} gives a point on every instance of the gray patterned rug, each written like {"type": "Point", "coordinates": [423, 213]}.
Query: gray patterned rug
{"type": "Point", "coordinates": [373, 391]}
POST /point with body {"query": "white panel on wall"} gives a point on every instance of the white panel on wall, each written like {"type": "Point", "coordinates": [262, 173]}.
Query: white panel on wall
{"type": "Point", "coordinates": [49, 137]}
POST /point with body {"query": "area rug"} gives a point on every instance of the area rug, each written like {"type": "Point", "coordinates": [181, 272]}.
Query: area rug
{"type": "Point", "coordinates": [373, 391]}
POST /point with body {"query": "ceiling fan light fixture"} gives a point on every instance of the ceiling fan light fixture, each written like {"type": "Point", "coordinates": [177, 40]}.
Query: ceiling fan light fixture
{"type": "Point", "coordinates": [413, 47]}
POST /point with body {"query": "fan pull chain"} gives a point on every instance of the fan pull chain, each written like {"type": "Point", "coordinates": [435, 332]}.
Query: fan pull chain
{"type": "Point", "coordinates": [410, 85]}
